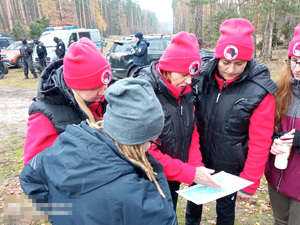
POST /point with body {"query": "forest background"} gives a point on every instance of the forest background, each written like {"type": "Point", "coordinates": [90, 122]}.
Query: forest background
{"type": "Point", "coordinates": [274, 20]}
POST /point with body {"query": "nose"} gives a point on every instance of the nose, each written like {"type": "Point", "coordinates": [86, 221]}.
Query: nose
{"type": "Point", "coordinates": [231, 69]}
{"type": "Point", "coordinates": [102, 90]}
{"type": "Point", "coordinates": [188, 79]}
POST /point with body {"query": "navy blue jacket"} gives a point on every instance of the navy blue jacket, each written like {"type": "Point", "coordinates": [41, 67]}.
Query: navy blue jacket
{"type": "Point", "coordinates": [140, 55]}
{"type": "Point", "coordinates": [85, 170]}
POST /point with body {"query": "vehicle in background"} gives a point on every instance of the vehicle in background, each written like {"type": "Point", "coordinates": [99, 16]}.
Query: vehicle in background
{"type": "Point", "coordinates": [11, 55]}
{"type": "Point", "coordinates": [68, 35]}
{"type": "Point", "coordinates": [5, 42]}
{"type": "Point", "coordinates": [120, 57]}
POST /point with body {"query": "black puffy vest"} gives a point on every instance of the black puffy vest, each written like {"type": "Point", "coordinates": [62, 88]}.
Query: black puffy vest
{"type": "Point", "coordinates": [178, 129]}
{"type": "Point", "coordinates": [55, 100]}
{"type": "Point", "coordinates": [223, 117]}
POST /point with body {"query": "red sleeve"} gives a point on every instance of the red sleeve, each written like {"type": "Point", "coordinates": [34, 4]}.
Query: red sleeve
{"type": "Point", "coordinates": [175, 169]}
{"type": "Point", "coordinates": [40, 135]}
{"type": "Point", "coordinates": [195, 156]}
{"type": "Point", "coordinates": [260, 139]}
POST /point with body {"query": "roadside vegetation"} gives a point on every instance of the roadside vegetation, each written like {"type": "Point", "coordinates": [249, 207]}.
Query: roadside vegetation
{"type": "Point", "coordinates": [257, 212]}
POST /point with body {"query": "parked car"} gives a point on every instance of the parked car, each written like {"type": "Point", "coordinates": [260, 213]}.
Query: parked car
{"type": "Point", "coordinates": [11, 55]}
{"type": "Point", "coordinates": [120, 57]}
{"type": "Point", "coordinates": [5, 42]}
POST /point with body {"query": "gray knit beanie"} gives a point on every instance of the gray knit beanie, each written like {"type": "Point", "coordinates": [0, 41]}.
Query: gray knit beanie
{"type": "Point", "coordinates": [133, 114]}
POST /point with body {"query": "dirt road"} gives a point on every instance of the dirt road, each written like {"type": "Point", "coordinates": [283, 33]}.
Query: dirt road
{"type": "Point", "coordinates": [14, 103]}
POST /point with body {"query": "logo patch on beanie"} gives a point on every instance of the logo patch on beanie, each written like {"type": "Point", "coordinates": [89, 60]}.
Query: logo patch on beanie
{"type": "Point", "coordinates": [231, 52]}
{"type": "Point", "coordinates": [296, 49]}
{"type": "Point", "coordinates": [194, 67]}
{"type": "Point", "coordinates": [106, 77]}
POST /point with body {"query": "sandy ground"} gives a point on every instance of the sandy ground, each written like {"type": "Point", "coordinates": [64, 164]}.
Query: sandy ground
{"type": "Point", "coordinates": [14, 103]}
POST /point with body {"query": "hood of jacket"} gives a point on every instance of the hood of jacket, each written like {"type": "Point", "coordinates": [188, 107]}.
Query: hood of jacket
{"type": "Point", "coordinates": [254, 71]}
{"type": "Point", "coordinates": [52, 87]}
{"type": "Point", "coordinates": [83, 159]}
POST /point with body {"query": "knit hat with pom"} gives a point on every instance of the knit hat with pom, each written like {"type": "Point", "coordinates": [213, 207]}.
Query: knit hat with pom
{"type": "Point", "coordinates": [294, 46]}
{"type": "Point", "coordinates": [235, 42]}
{"type": "Point", "coordinates": [85, 67]}
{"type": "Point", "coordinates": [182, 55]}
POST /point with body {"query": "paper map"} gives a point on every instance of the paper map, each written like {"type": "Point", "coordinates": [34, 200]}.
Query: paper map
{"type": "Point", "coordinates": [200, 194]}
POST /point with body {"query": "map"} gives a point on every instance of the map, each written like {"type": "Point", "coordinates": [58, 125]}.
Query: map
{"type": "Point", "coordinates": [200, 194]}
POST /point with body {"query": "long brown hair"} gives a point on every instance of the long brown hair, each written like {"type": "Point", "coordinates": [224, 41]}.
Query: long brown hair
{"type": "Point", "coordinates": [136, 154]}
{"type": "Point", "coordinates": [284, 95]}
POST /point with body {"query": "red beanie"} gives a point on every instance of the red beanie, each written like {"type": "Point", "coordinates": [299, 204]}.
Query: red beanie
{"type": "Point", "coordinates": [294, 46]}
{"type": "Point", "coordinates": [182, 55]}
{"type": "Point", "coordinates": [235, 42]}
{"type": "Point", "coordinates": [85, 67]}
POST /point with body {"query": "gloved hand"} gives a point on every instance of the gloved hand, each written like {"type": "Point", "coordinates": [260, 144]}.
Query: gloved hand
{"type": "Point", "coordinates": [132, 51]}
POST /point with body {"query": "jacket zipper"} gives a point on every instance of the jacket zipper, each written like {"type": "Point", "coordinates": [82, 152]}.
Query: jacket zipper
{"type": "Point", "coordinates": [281, 174]}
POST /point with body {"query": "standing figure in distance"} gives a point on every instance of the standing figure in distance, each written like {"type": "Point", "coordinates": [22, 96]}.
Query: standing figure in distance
{"type": "Point", "coordinates": [26, 53]}
{"type": "Point", "coordinates": [1, 67]}
{"type": "Point", "coordinates": [140, 51]}
{"type": "Point", "coordinates": [42, 53]}
{"type": "Point", "coordinates": [66, 88]}
{"type": "Point", "coordinates": [235, 110]}
{"type": "Point", "coordinates": [60, 48]}
{"type": "Point", "coordinates": [178, 148]}
{"type": "Point", "coordinates": [101, 171]}
{"type": "Point", "coordinates": [284, 185]}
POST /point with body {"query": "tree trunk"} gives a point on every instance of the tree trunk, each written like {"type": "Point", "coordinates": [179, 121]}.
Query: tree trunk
{"type": "Point", "coordinates": [266, 51]}
{"type": "Point", "coordinates": [198, 23]}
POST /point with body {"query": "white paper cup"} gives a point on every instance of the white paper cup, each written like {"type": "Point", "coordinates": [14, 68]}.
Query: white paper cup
{"type": "Point", "coordinates": [281, 160]}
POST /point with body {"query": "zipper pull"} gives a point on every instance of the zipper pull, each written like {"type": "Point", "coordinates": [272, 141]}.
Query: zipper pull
{"type": "Point", "coordinates": [217, 100]}
{"type": "Point", "coordinates": [197, 89]}
{"type": "Point", "coordinates": [181, 110]}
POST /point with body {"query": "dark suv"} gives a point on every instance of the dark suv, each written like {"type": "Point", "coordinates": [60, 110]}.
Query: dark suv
{"type": "Point", "coordinates": [5, 42]}
{"type": "Point", "coordinates": [120, 57]}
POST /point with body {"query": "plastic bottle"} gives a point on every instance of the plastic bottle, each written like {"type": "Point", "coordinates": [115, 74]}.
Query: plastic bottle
{"type": "Point", "coordinates": [281, 160]}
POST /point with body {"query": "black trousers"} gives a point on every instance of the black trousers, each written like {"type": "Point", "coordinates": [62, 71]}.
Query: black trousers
{"type": "Point", "coordinates": [225, 211]}
{"type": "Point", "coordinates": [42, 62]}
{"type": "Point", "coordinates": [174, 186]}
{"type": "Point", "coordinates": [27, 62]}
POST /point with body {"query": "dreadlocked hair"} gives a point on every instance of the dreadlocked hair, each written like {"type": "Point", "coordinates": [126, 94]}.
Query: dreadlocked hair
{"type": "Point", "coordinates": [134, 153]}
{"type": "Point", "coordinates": [83, 106]}
{"type": "Point", "coordinates": [284, 95]}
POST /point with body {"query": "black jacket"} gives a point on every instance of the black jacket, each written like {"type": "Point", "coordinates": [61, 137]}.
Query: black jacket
{"type": "Point", "coordinates": [85, 170]}
{"type": "Point", "coordinates": [60, 49]}
{"type": "Point", "coordinates": [26, 51]}
{"type": "Point", "coordinates": [223, 117]}
{"type": "Point", "coordinates": [41, 50]}
{"type": "Point", "coordinates": [177, 133]}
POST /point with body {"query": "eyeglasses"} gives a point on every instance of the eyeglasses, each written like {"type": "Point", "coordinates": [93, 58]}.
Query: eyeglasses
{"type": "Point", "coordinates": [156, 142]}
{"type": "Point", "coordinates": [292, 63]}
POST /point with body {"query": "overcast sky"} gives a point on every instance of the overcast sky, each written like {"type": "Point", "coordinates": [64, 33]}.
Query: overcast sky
{"type": "Point", "coordinates": [162, 8]}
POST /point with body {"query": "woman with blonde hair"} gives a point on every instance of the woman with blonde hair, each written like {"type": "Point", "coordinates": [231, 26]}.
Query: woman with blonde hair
{"type": "Point", "coordinates": [101, 172]}
{"type": "Point", "coordinates": [284, 184]}
{"type": "Point", "coordinates": [70, 90]}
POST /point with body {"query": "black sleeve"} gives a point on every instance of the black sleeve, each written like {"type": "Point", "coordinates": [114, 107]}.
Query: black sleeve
{"type": "Point", "coordinates": [296, 141]}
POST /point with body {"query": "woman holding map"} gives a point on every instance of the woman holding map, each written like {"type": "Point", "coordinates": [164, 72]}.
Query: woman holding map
{"type": "Point", "coordinates": [235, 110]}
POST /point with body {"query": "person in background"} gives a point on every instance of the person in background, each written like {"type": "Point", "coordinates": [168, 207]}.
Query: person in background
{"type": "Point", "coordinates": [234, 110]}
{"type": "Point", "coordinates": [1, 67]}
{"type": "Point", "coordinates": [42, 53]}
{"type": "Point", "coordinates": [178, 144]}
{"type": "Point", "coordinates": [140, 51]}
{"type": "Point", "coordinates": [103, 169]}
{"type": "Point", "coordinates": [60, 48]}
{"type": "Point", "coordinates": [284, 185]}
{"type": "Point", "coordinates": [70, 90]}
{"type": "Point", "coordinates": [26, 54]}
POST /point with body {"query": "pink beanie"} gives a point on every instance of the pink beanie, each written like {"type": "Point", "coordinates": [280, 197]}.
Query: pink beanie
{"type": "Point", "coordinates": [294, 46]}
{"type": "Point", "coordinates": [235, 42]}
{"type": "Point", "coordinates": [182, 55]}
{"type": "Point", "coordinates": [85, 67]}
